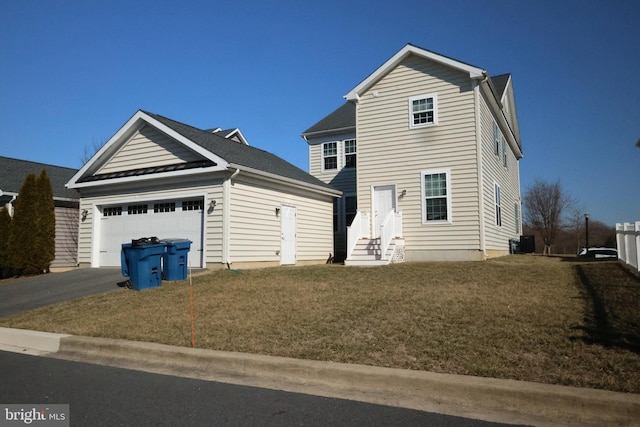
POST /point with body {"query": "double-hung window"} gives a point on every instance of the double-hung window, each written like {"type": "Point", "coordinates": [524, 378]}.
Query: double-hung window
{"type": "Point", "coordinates": [423, 110]}
{"type": "Point", "coordinates": [496, 139]}
{"type": "Point", "coordinates": [436, 192]}
{"type": "Point", "coordinates": [350, 153]}
{"type": "Point", "coordinates": [498, 204]}
{"type": "Point", "coordinates": [330, 156]}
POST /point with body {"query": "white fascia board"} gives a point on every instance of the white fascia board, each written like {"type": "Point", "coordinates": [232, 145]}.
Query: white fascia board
{"type": "Point", "coordinates": [139, 178]}
{"type": "Point", "coordinates": [136, 122]}
{"type": "Point", "coordinates": [474, 72]}
{"type": "Point", "coordinates": [287, 181]}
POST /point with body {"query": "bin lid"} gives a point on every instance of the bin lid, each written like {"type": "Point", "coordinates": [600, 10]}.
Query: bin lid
{"type": "Point", "coordinates": [175, 240]}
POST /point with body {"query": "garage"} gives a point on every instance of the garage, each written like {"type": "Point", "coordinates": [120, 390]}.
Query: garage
{"type": "Point", "coordinates": [120, 223]}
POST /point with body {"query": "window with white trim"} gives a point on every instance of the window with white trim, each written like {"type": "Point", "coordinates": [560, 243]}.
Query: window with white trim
{"type": "Point", "coordinates": [350, 153]}
{"type": "Point", "coordinates": [504, 152]}
{"type": "Point", "coordinates": [496, 139]}
{"type": "Point", "coordinates": [330, 156]}
{"type": "Point", "coordinates": [436, 196]}
{"type": "Point", "coordinates": [423, 110]}
{"type": "Point", "coordinates": [517, 210]}
{"type": "Point", "coordinates": [498, 205]}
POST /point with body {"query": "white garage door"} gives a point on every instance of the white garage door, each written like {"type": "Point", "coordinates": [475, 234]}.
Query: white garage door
{"type": "Point", "coordinates": [173, 219]}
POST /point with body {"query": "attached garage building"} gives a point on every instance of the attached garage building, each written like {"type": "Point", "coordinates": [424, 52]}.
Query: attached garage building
{"type": "Point", "coordinates": [238, 204]}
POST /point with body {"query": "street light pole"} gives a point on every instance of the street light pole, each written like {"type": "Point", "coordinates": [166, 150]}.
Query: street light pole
{"type": "Point", "coordinates": [586, 227]}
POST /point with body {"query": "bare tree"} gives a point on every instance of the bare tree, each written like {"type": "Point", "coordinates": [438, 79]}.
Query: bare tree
{"type": "Point", "coordinates": [545, 204]}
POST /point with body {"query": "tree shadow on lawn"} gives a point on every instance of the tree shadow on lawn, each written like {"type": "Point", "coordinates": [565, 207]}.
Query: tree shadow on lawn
{"type": "Point", "coordinates": [612, 301]}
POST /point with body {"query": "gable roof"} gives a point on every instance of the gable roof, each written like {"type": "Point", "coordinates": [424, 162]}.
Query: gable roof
{"type": "Point", "coordinates": [342, 119]}
{"type": "Point", "coordinates": [219, 154]}
{"type": "Point", "coordinates": [409, 49]}
{"type": "Point", "coordinates": [500, 84]}
{"type": "Point", "coordinates": [14, 171]}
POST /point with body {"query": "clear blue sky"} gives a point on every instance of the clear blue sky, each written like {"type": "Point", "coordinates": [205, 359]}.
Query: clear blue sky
{"type": "Point", "coordinates": [73, 72]}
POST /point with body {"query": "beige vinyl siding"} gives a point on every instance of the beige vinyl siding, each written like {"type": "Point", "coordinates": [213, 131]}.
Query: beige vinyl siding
{"type": "Point", "coordinates": [392, 153]}
{"type": "Point", "coordinates": [255, 234]}
{"type": "Point", "coordinates": [494, 171]}
{"type": "Point", "coordinates": [66, 237]}
{"type": "Point", "coordinates": [148, 147]}
{"type": "Point", "coordinates": [211, 190]}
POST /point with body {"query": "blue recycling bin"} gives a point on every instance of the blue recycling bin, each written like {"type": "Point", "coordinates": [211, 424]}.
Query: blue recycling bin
{"type": "Point", "coordinates": [175, 258]}
{"type": "Point", "coordinates": [142, 263]}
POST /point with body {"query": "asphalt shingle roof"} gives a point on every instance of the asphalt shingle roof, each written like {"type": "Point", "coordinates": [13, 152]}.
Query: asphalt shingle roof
{"type": "Point", "coordinates": [14, 171]}
{"type": "Point", "coordinates": [240, 154]}
{"type": "Point", "coordinates": [342, 118]}
{"type": "Point", "coordinates": [500, 83]}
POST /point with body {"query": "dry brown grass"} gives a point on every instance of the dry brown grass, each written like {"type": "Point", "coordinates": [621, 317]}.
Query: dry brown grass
{"type": "Point", "coordinates": [548, 320]}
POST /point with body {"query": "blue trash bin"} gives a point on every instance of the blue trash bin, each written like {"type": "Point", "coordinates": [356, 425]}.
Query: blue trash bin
{"type": "Point", "coordinates": [175, 258]}
{"type": "Point", "coordinates": [142, 264]}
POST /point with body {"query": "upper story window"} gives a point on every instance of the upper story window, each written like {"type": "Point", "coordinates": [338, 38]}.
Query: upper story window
{"type": "Point", "coordinates": [436, 191]}
{"type": "Point", "coordinates": [423, 110]}
{"type": "Point", "coordinates": [498, 202]}
{"type": "Point", "coordinates": [330, 156]}
{"type": "Point", "coordinates": [504, 152]}
{"type": "Point", "coordinates": [496, 139]}
{"type": "Point", "coordinates": [350, 153]}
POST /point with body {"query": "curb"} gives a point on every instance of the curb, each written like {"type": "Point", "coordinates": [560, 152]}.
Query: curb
{"type": "Point", "coordinates": [30, 342]}
{"type": "Point", "coordinates": [506, 401]}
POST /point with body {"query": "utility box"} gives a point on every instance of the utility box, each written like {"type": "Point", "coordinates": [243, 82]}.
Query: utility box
{"type": "Point", "coordinates": [142, 263]}
{"type": "Point", "coordinates": [527, 244]}
{"type": "Point", "coordinates": [175, 258]}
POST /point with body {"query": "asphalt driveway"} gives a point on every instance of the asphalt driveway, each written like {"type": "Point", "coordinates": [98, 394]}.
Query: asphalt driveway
{"type": "Point", "coordinates": [28, 293]}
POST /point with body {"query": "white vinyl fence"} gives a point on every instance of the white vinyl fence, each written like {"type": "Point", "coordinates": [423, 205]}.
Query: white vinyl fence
{"type": "Point", "coordinates": [628, 239]}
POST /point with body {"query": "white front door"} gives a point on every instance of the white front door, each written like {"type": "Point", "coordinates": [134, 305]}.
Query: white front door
{"type": "Point", "coordinates": [384, 201]}
{"type": "Point", "coordinates": [288, 229]}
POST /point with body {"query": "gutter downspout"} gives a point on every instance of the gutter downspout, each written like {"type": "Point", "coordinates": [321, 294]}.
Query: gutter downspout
{"type": "Point", "coordinates": [481, 196]}
{"type": "Point", "coordinates": [226, 217]}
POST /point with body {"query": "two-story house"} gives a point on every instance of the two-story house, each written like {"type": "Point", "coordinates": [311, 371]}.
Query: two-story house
{"type": "Point", "coordinates": [426, 153]}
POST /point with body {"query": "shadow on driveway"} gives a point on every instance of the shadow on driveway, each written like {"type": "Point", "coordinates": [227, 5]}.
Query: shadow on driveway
{"type": "Point", "coordinates": [29, 293]}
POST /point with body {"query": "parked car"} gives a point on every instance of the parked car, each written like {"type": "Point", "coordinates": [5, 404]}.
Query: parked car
{"type": "Point", "coordinates": [598, 253]}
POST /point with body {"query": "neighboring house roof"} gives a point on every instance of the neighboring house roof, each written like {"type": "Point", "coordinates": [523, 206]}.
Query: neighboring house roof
{"type": "Point", "coordinates": [219, 154]}
{"type": "Point", "coordinates": [342, 119]}
{"type": "Point", "coordinates": [14, 171]}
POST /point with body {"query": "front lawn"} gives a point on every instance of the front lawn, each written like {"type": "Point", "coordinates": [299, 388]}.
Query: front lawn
{"type": "Point", "coordinates": [550, 320]}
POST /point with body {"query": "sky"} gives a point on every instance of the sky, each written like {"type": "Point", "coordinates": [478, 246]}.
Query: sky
{"type": "Point", "coordinates": [73, 72]}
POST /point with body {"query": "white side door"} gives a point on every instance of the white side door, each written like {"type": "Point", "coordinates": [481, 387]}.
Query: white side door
{"type": "Point", "coordinates": [384, 201]}
{"type": "Point", "coordinates": [288, 230]}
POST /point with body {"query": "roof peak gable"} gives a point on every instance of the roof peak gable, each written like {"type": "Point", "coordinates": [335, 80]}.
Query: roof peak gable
{"type": "Point", "coordinates": [409, 49]}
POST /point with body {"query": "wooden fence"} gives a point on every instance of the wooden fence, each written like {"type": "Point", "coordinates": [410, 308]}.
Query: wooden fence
{"type": "Point", "coordinates": [628, 239]}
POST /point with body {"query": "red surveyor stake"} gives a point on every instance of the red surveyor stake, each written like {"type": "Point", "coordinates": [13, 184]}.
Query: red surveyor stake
{"type": "Point", "coordinates": [193, 318]}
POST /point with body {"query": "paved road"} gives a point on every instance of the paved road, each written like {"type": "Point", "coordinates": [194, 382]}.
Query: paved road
{"type": "Point", "coordinates": [106, 396]}
{"type": "Point", "coordinates": [28, 293]}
